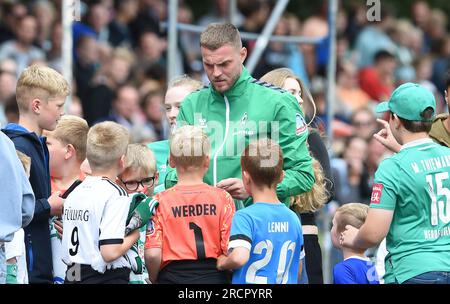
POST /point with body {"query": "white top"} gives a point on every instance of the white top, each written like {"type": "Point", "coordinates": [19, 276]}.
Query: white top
{"type": "Point", "coordinates": [94, 215]}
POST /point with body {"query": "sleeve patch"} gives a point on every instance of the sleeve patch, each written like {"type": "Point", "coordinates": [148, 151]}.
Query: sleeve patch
{"type": "Point", "coordinates": [377, 190]}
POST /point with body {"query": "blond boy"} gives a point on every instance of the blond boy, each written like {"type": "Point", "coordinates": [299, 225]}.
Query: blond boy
{"type": "Point", "coordinates": [67, 150]}
{"type": "Point", "coordinates": [356, 267]}
{"type": "Point", "coordinates": [192, 223]}
{"type": "Point", "coordinates": [40, 94]}
{"type": "Point", "coordinates": [96, 211]}
{"type": "Point", "coordinates": [139, 176]}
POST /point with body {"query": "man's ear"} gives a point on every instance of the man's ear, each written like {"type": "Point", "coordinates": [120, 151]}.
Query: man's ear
{"type": "Point", "coordinates": [36, 106]}
{"type": "Point", "coordinates": [397, 121]}
{"type": "Point", "coordinates": [446, 96]}
{"type": "Point", "coordinates": [243, 54]}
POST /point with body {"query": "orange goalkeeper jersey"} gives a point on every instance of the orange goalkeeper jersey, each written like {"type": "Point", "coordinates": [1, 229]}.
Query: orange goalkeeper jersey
{"type": "Point", "coordinates": [191, 223]}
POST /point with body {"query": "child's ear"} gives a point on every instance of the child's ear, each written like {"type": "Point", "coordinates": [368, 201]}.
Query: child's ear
{"type": "Point", "coordinates": [171, 162]}
{"type": "Point", "coordinates": [70, 151]}
{"type": "Point", "coordinates": [36, 105]}
{"type": "Point", "coordinates": [156, 178]}
{"type": "Point", "coordinates": [206, 162]}
{"type": "Point", "coordinates": [121, 164]}
{"type": "Point", "coordinates": [282, 176]}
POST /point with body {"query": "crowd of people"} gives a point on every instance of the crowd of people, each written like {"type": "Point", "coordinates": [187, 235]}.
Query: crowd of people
{"type": "Point", "coordinates": [153, 180]}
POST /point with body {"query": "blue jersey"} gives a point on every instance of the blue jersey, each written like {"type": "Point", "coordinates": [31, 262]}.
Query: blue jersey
{"type": "Point", "coordinates": [273, 235]}
{"type": "Point", "coordinates": [355, 270]}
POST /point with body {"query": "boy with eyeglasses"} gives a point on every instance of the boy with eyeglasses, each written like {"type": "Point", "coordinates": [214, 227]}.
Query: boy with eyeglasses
{"type": "Point", "coordinates": [139, 176]}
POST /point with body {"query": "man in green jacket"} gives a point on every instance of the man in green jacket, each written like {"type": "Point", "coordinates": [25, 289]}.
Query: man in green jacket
{"type": "Point", "coordinates": [237, 109]}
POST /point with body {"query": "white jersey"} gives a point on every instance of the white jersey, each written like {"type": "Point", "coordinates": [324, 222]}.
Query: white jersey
{"type": "Point", "coordinates": [59, 268]}
{"type": "Point", "coordinates": [16, 249]}
{"type": "Point", "coordinates": [94, 215]}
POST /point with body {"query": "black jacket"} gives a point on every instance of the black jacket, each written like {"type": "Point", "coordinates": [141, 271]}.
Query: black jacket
{"type": "Point", "coordinates": [37, 233]}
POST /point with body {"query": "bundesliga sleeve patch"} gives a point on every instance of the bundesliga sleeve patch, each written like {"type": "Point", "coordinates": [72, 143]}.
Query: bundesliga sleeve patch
{"type": "Point", "coordinates": [377, 190]}
{"type": "Point", "coordinates": [300, 124]}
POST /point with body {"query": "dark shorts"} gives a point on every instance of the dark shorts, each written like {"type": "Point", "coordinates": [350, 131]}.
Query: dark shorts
{"type": "Point", "coordinates": [193, 272]}
{"type": "Point", "coordinates": [84, 274]}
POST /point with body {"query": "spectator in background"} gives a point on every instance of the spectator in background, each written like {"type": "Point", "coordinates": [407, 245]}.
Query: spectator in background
{"type": "Point", "coordinates": [150, 50]}
{"type": "Point", "coordinates": [45, 14]}
{"type": "Point", "coordinates": [54, 54]}
{"type": "Point", "coordinates": [8, 81]}
{"type": "Point", "coordinates": [364, 123]}
{"type": "Point", "coordinates": [350, 172]}
{"type": "Point", "coordinates": [119, 31]}
{"type": "Point", "coordinates": [350, 97]}
{"type": "Point", "coordinates": [374, 38]}
{"type": "Point", "coordinates": [114, 73]}
{"type": "Point", "coordinates": [21, 49]}
{"type": "Point", "coordinates": [87, 63]}
{"type": "Point", "coordinates": [153, 109]}
{"type": "Point", "coordinates": [125, 107]}
{"type": "Point", "coordinates": [12, 12]}
{"type": "Point", "coordinates": [378, 80]}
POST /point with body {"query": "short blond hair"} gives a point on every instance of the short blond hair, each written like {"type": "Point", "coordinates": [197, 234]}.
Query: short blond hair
{"type": "Point", "coordinates": [140, 157]}
{"type": "Point", "coordinates": [315, 198]}
{"type": "Point", "coordinates": [217, 35]}
{"type": "Point", "coordinates": [189, 147]}
{"type": "Point", "coordinates": [72, 130]}
{"type": "Point", "coordinates": [39, 82]}
{"type": "Point", "coordinates": [185, 81]}
{"type": "Point", "coordinates": [26, 162]}
{"type": "Point", "coordinates": [353, 214]}
{"type": "Point", "coordinates": [106, 143]}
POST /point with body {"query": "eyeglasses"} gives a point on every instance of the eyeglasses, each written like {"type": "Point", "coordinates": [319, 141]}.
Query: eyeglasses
{"type": "Point", "coordinates": [134, 185]}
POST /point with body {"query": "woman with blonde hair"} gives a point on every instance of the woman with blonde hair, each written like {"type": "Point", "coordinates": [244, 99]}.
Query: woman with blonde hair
{"type": "Point", "coordinates": [322, 191]}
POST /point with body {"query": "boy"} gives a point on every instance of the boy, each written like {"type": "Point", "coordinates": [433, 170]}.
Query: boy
{"type": "Point", "coordinates": [16, 271]}
{"type": "Point", "coordinates": [67, 149]}
{"type": "Point", "coordinates": [409, 194]}
{"type": "Point", "coordinates": [40, 93]}
{"type": "Point", "coordinates": [177, 89]}
{"type": "Point", "coordinates": [95, 213]}
{"type": "Point", "coordinates": [356, 267]}
{"type": "Point", "coordinates": [266, 239]}
{"type": "Point", "coordinates": [192, 223]}
{"type": "Point", "coordinates": [139, 176]}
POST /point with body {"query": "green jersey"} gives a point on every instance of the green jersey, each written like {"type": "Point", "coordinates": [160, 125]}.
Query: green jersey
{"type": "Point", "coordinates": [248, 111]}
{"type": "Point", "coordinates": [415, 185]}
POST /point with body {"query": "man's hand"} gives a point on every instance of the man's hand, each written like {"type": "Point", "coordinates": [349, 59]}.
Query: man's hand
{"type": "Point", "coordinates": [348, 236]}
{"type": "Point", "coordinates": [385, 137]}
{"type": "Point", "coordinates": [56, 203]}
{"type": "Point", "coordinates": [235, 187]}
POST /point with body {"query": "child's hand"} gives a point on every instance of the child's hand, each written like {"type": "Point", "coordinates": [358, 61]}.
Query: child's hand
{"type": "Point", "coordinates": [347, 238]}
{"type": "Point", "coordinates": [56, 203]}
{"type": "Point", "coordinates": [221, 261]}
{"type": "Point", "coordinates": [386, 138]}
{"type": "Point", "coordinates": [59, 227]}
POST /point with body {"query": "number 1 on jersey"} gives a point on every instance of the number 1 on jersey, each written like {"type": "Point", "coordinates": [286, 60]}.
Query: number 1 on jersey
{"type": "Point", "coordinates": [198, 240]}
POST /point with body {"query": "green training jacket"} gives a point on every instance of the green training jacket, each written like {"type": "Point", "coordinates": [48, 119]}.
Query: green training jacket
{"type": "Point", "coordinates": [250, 110]}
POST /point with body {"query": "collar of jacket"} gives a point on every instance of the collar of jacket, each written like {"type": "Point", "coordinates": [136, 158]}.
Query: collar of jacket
{"type": "Point", "coordinates": [237, 89]}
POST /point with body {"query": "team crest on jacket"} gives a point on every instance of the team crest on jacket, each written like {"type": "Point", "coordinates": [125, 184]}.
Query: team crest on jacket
{"type": "Point", "coordinates": [300, 124]}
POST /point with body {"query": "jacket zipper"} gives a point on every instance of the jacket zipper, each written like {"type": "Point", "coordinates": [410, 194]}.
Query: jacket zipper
{"type": "Point", "coordinates": [30, 253]}
{"type": "Point", "coordinates": [227, 125]}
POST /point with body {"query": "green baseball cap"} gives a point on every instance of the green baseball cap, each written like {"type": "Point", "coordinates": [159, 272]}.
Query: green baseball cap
{"type": "Point", "coordinates": [408, 101]}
